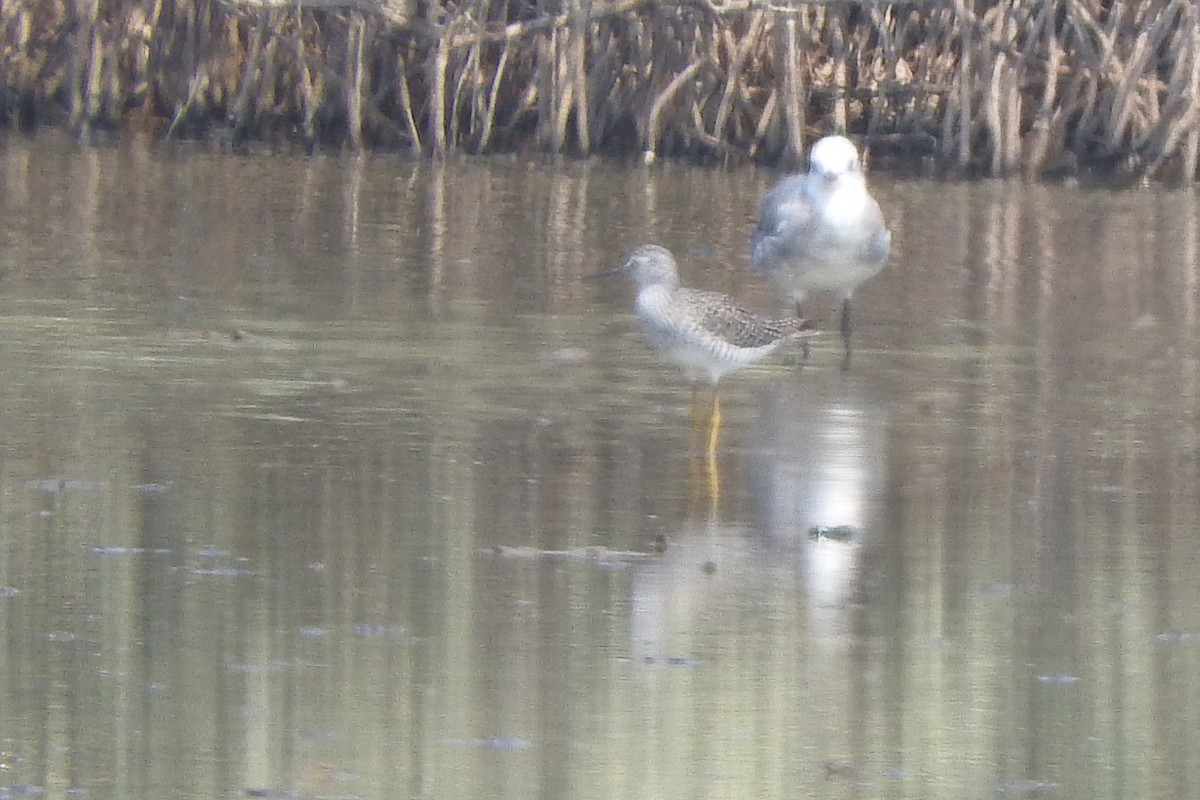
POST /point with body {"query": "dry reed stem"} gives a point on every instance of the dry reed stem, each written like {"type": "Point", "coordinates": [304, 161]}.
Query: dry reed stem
{"type": "Point", "coordinates": [1001, 86]}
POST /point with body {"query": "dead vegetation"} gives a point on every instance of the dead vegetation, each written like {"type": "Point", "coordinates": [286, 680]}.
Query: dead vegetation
{"type": "Point", "coordinates": [984, 87]}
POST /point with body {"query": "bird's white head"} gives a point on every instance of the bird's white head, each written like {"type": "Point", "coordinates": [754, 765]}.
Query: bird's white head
{"type": "Point", "coordinates": [834, 158]}
{"type": "Point", "coordinates": [651, 265]}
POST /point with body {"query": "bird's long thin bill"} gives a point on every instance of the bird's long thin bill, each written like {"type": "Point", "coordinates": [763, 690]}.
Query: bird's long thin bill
{"type": "Point", "coordinates": [608, 273]}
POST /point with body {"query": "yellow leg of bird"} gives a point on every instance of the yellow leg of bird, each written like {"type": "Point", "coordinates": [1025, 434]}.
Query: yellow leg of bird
{"type": "Point", "coordinates": [714, 436]}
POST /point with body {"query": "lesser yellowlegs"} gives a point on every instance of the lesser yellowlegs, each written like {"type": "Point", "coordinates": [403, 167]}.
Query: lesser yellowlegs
{"type": "Point", "coordinates": [705, 333]}
{"type": "Point", "coordinates": [822, 231]}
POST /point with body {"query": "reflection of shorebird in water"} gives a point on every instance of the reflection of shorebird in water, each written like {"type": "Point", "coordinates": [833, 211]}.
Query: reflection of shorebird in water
{"type": "Point", "coordinates": [822, 230]}
{"type": "Point", "coordinates": [710, 573]}
{"type": "Point", "coordinates": [704, 333]}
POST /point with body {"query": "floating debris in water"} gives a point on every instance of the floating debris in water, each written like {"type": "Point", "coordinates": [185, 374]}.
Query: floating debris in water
{"type": "Point", "coordinates": [1002, 587]}
{"type": "Point", "coordinates": [272, 667]}
{"type": "Point", "coordinates": [837, 533]}
{"type": "Point", "coordinates": [120, 550]}
{"type": "Point", "coordinates": [56, 485]}
{"type": "Point", "coordinates": [212, 552]}
{"type": "Point", "coordinates": [1027, 787]}
{"type": "Point", "coordinates": [215, 554]}
{"type": "Point", "coordinates": [223, 572]}
{"type": "Point", "coordinates": [369, 630]}
{"type": "Point", "coordinates": [20, 790]}
{"type": "Point", "coordinates": [491, 743]}
{"type": "Point", "coordinates": [672, 661]}
{"type": "Point", "coordinates": [598, 553]}
{"type": "Point", "coordinates": [1179, 637]}
{"type": "Point", "coordinates": [838, 769]}
{"type": "Point", "coordinates": [566, 355]}
{"type": "Point", "coordinates": [313, 632]}
{"type": "Point", "coordinates": [1058, 679]}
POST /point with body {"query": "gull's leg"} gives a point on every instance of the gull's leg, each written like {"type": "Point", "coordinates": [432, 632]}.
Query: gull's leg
{"type": "Point", "coordinates": [845, 328]}
{"type": "Point", "coordinates": [804, 342]}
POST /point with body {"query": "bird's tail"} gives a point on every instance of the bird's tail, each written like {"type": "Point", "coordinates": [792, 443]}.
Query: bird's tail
{"type": "Point", "coordinates": [798, 328]}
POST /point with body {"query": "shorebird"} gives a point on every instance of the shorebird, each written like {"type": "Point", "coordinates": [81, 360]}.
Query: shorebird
{"type": "Point", "coordinates": [707, 334]}
{"type": "Point", "coordinates": [822, 231]}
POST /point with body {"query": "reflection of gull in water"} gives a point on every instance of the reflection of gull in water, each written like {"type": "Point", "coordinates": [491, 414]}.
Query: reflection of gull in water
{"type": "Point", "coordinates": [818, 476]}
{"type": "Point", "coordinates": [820, 462]}
{"type": "Point", "coordinates": [766, 612]}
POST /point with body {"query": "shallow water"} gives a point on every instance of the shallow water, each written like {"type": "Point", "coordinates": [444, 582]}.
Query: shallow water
{"type": "Point", "coordinates": [329, 477]}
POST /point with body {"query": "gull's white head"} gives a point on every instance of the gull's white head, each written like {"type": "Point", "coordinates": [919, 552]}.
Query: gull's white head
{"type": "Point", "coordinates": [833, 158]}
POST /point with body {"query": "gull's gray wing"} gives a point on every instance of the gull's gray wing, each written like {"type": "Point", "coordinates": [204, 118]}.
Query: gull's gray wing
{"type": "Point", "coordinates": [785, 222]}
